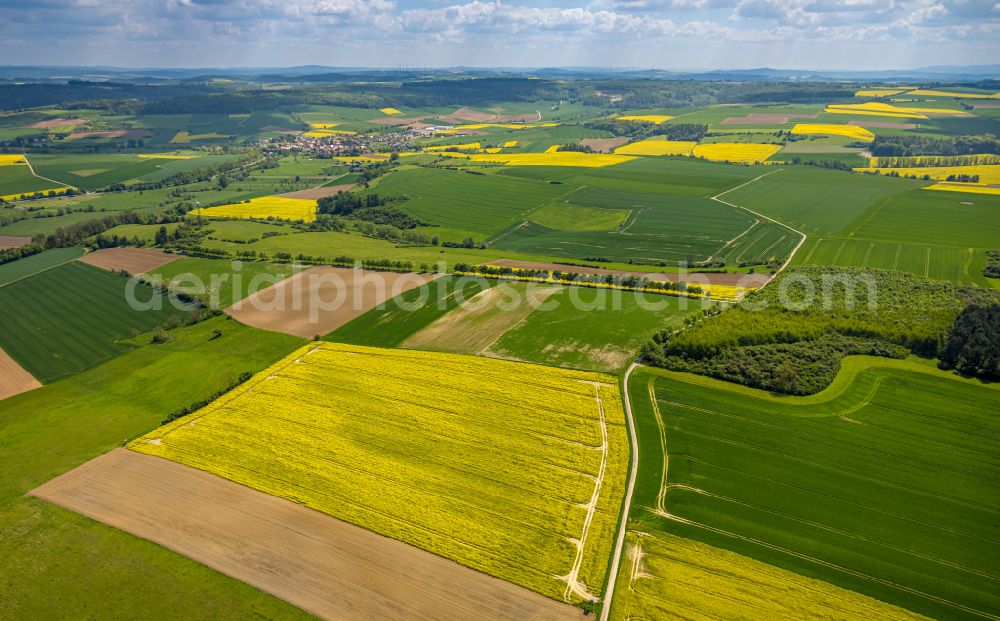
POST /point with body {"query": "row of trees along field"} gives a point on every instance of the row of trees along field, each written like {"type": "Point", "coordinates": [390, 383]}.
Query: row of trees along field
{"type": "Point", "coordinates": [906, 146]}
{"type": "Point", "coordinates": [791, 335]}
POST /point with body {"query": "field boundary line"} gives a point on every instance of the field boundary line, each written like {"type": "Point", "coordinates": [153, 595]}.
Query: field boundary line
{"type": "Point", "coordinates": [769, 218]}
{"type": "Point", "coordinates": [41, 271]}
{"type": "Point", "coordinates": [32, 169]}
{"type": "Point", "coordinates": [806, 557]}
{"type": "Point", "coordinates": [627, 504]}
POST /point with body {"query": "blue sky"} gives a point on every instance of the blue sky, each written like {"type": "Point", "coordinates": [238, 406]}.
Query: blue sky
{"type": "Point", "coordinates": [665, 34]}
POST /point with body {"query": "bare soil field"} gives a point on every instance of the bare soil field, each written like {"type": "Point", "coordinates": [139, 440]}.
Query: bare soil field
{"type": "Point", "coordinates": [56, 123]}
{"type": "Point", "coordinates": [883, 124]}
{"type": "Point", "coordinates": [321, 299]}
{"type": "Point", "coordinates": [327, 567]}
{"type": "Point", "coordinates": [987, 105]}
{"type": "Point", "coordinates": [317, 193]}
{"type": "Point", "coordinates": [13, 379]}
{"type": "Point", "coordinates": [743, 280]}
{"type": "Point", "coordinates": [10, 241]}
{"type": "Point", "coordinates": [118, 133]}
{"type": "Point", "coordinates": [765, 119]}
{"type": "Point", "coordinates": [604, 145]}
{"type": "Point", "coordinates": [135, 261]}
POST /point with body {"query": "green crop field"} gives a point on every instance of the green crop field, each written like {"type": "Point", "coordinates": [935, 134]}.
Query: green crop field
{"type": "Point", "coordinates": [28, 266]}
{"type": "Point", "coordinates": [69, 318]}
{"type": "Point", "coordinates": [952, 219]}
{"type": "Point", "coordinates": [17, 179]}
{"type": "Point", "coordinates": [97, 171]}
{"type": "Point", "coordinates": [814, 200]}
{"type": "Point", "coordinates": [57, 427]}
{"type": "Point", "coordinates": [958, 265]}
{"type": "Point", "coordinates": [884, 483]}
{"type": "Point", "coordinates": [481, 204]}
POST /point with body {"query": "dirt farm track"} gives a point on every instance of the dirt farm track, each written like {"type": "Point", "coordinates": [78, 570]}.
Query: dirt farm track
{"type": "Point", "coordinates": [325, 566]}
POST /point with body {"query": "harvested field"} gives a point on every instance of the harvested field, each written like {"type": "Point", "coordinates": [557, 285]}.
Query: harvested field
{"type": "Point", "coordinates": [732, 280]}
{"type": "Point", "coordinates": [318, 193]}
{"type": "Point", "coordinates": [987, 105]}
{"type": "Point", "coordinates": [765, 119]}
{"type": "Point", "coordinates": [882, 124]}
{"type": "Point", "coordinates": [465, 114]}
{"type": "Point", "coordinates": [56, 123]}
{"type": "Point", "coordinates": [9, 241]}
{"type": "Point", "coordinates": [478, 323]}
{"type": "Point", "coordinates": [13, 379]}
{"type": "Point", "coordinates": [516, 118]}
{"type": "Point", "coordinates": [328, 567]}
{"type": "Point", "coordinates": [118, 133]}
{"type": "Point", "coordinates": [321, 299]}
{"type": "Point", "coordinates": [135, 261]}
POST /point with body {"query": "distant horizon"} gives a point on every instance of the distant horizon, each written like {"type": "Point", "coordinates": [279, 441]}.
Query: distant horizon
{"type": "Point", "coordinates": [987, 67]}
{"type": "Point", "coordinates": [697, 34]}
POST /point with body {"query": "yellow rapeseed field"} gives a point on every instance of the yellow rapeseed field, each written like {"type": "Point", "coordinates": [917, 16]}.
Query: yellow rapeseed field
{"type": "Point", "coordinates": [851, 131]}
{"type": "Point", "coordinates": [560, 158]}
{"type": "Point", "coordinates": [648, 118]}
{"type": "Point", "coordinates": [884, 109]}
{"type": "Point", "coordinates": [389, 111]}
{"type": "Point", "coordinates": [10, 160]}
{"type": "Point", "coordinates": [264, 207]}
{"type": "Point", "coordinates": [324, 133]}
{"type": "Point", "coordinates": [14, 197]}
{"type": "Point", "coordinates": [663, 576]}
{"type": "Point", "coordinates": [741, 152]}
{"type": "Point", "coordinates": [322, 125]}
{"type": "Point", "coordinates": [500, 466]}
{"type": "Point", "coordinates": [468, 146]}
{"type": "Point", "coordinates": [652, 146]}
{"type": "Point", "coordinates": [965, 187]}
{"type": "Point", "coordinates": [553, 148]}
{"type": "Point", "coordinates": [934, 93]}
{"type": "Point", "coordinates": [988, 174]}
{"type": "Point", "coordinates": [509, 143]}
{"type": "Point", "coordinates": [492, 150]}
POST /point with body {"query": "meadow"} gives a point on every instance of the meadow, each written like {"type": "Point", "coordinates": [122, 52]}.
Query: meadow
{"type": "Point", "coordinates": [882, 484]}
{"type": "Point", "coordinates": [219, 282]}
{"type": "Point", "coordinates": [57, 427]}
{"type": "Point", "coordinates": [409, 312]}
{"type": "Point", "coordinates": [69, 318]}
{"type": "Point", "coordinates": [594, 329]}
{"type": "Point", "coordinates": [422, 458]}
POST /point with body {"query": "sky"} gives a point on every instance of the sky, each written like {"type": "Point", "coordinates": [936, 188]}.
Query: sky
{"type": "Point", "coordinates": [638, 34]}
